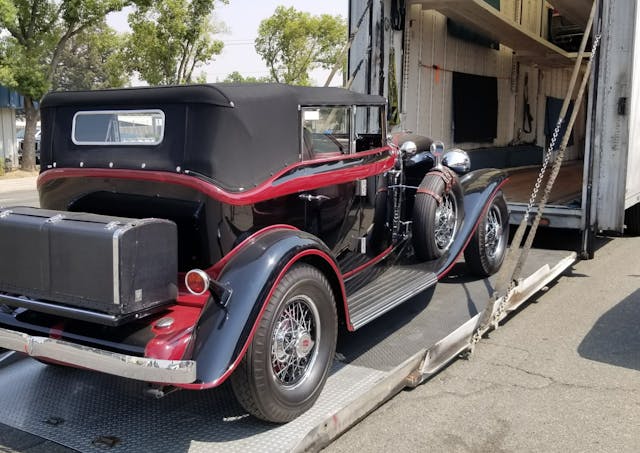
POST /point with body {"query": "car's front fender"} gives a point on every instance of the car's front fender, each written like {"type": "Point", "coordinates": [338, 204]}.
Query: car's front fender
{"type": "Point", "coordinates": [478, 189]}
{"type": "Point", "coordinates": [223, 334]}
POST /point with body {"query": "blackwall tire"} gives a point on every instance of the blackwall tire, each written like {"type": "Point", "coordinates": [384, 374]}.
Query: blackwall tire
{"type": "Point", "coordinates": [437, 214]}
{"type": "Point", "coordinates": [488, 245]}
{"type": "Point", "coordinates": [632, 220]}
{"type": "Point", "coordinates": [289, 358]}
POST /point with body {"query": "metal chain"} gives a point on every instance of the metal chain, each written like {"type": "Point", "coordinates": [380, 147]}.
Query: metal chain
{"type": "Point", "coordinates": [543, 170]}
{"type": "Point", "coordinates": [497, 315]}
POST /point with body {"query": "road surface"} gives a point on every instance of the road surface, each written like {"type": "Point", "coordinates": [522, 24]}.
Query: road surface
{"type": "Point", "coordinates": [18, 191]}
{"type": "Point", "coordinates": [561, 376]}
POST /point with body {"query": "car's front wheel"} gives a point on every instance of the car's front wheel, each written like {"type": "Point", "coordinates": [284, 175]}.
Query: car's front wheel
{"type": "Point", "coordinates": [437, 214]}
{"type": "Point", "coordinates": [486, 250]}
{"type": "Point", "coordinates": [288, 360]}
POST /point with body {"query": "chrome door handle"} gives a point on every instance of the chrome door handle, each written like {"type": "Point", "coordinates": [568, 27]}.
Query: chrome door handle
{"type": "Point", "coordinates": [309, 197]}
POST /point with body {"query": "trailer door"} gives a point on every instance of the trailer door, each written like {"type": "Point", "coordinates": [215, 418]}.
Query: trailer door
{"type": "Point", "coordinates": [615, 104]}
{"type": "Point", "coordinates": [632, 195]}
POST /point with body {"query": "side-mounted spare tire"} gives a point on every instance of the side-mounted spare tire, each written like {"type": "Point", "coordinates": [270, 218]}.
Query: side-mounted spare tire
{"type": "Point", "coordinates": [437, 214]}
{"type": "Point", "coordinates": [488, 245]}
{"type": "Point", "coordinates": [288, 360]}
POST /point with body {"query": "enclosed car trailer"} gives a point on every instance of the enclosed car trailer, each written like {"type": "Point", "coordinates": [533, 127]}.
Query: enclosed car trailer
{"type": "Point", "coordinates": [489, 76]}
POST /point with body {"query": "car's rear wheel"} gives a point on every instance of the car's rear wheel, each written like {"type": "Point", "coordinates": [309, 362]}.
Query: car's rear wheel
{"type": "Point", "coordinates": [288, 360]}
{"type": "Point", "coordinates": [486, 250]}
{"type": "Point", "coordinates": [437, 214]}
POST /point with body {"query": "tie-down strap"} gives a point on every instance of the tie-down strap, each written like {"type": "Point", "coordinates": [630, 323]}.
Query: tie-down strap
{"type": "Point", "coordinates": [448, 176]}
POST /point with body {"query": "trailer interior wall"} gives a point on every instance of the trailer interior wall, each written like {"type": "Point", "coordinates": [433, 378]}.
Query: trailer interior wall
{"type": "Point", "coordinates": [429, 91]}
{"type": "Point", "coordinates": [615, 145]}
{"type": "Point", "coordinates": [426, 57]}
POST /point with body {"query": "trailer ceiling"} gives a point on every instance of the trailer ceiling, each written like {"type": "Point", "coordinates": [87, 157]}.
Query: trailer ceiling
{"type": "Point", "coordinates": [577, 11]}
{"type": "Point", "coordinates": [478, 15]}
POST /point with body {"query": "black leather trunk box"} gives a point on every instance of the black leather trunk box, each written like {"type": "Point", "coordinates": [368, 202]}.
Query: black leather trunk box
{"type": "Point", "coordinates": [112, 265]}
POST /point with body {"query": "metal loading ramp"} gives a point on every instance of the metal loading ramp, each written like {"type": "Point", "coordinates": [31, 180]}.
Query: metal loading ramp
{"type": "Point", "coordinates": [91, 412]}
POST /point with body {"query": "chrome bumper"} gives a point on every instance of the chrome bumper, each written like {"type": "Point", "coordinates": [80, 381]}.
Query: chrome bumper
{"type": "Point", "coordinates": [140, 368]}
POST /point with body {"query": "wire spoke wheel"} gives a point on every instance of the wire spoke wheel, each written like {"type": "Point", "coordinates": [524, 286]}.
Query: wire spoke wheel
{"type": "Point", "coordinates": [488, 245]}
{"type": "Point", "coordinates": [288, 360]}
{"type": "Point", "coordinates": [494, 239]}
{"type": "Point", "coordinates": [293, 342]}
{"type": "Point", "coordinates": [437, 214]}
{"type": "Point", "coordinates": [446, 222]}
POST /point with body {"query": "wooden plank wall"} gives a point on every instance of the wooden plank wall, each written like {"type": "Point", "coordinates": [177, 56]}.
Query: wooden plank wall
{"type": "Point", "coordinates": [428, 92]}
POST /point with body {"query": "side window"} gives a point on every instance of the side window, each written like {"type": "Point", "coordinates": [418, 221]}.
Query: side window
{"type": "Point", "coordinates": [118, 127]}
{"type": "Point", "coordinates": [369, 127]}
{"type": "Point", "coordinates": [325, 131]}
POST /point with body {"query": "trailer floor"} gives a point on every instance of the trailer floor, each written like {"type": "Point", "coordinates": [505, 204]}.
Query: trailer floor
{"type": "Point", "coordinates": [92, 412]}
{"type": "Point", "coordinates": [566, 191]}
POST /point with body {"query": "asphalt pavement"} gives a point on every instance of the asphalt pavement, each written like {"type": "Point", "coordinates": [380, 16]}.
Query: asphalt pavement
{"type": "Point", "coordinates": [563, 375]}
{"type": "Point", "coordinates": [18, 191]}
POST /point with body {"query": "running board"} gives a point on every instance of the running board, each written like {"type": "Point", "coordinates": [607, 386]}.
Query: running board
{"type": "Point", "coordinates": [393, 287]}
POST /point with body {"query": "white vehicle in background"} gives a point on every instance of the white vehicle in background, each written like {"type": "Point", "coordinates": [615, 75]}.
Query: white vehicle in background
{"type": "Point", "coordinates": [20, 144]}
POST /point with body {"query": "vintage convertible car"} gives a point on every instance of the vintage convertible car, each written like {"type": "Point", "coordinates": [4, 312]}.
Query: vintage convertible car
{"type": "Point", "coordinates": [192, 234]}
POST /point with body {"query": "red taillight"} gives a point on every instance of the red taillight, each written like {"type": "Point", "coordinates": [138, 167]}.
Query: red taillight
{"type": "Point", "coordinates": [197, 282]}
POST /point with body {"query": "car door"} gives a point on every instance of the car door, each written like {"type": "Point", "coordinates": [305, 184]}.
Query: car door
{"type": "Point", "coordinates": [330, 210]}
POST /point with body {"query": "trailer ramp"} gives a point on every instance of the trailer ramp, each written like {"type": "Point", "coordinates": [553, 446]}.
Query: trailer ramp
{"type": "Point", "coordinates": [92, 412]}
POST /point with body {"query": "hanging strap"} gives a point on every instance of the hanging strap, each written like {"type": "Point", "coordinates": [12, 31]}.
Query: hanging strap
{"type": "Point", "coordinates": [527, 118]}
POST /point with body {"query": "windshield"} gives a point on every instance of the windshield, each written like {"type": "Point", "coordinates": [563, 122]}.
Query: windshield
{"type": "Point", "coordinates": [20, 134]}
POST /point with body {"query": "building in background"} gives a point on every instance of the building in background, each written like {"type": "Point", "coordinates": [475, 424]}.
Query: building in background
{"type": "Point", "coordinates": [10, 101]}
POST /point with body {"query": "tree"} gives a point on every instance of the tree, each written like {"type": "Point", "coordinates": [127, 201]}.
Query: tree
{"type": "Point", "coordinates": [292, 43]}
{"type": "Point", "coordinates": [36, 33]}
{"type": "Point", "coordinates": [236, 77]}
{"type": "Point", "coordinates": [171, 38]}
{"type": "Point", "coordinates": [93, 59]}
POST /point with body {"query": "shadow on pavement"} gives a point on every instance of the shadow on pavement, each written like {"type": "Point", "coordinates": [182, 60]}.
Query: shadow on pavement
{"type": "Point", "coordinates": [615, 337]}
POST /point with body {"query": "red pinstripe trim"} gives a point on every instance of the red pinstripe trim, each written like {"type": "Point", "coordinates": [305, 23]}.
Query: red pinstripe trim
{"type": "Point", "coordinates": [377, 259]}
{"type": "Point", "coordinates": [291, 262]}
{"type": "Point", "coordinates": [265, 191]}
{"type": "Point", "coordinates": [484, 211]}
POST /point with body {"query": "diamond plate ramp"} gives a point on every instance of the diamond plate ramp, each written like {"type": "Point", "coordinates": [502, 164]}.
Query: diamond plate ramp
{"type": "Point", "coordinates": [87, 411]}
{"type": "Point", "coordinates": [93, 412]}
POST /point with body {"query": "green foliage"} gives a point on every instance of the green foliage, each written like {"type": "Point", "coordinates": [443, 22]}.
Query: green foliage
{"type": "Point", "coordinates": [292, 43]}
{"type": "Point", "coordinates": [236, 77]}
{"type": "Point", "coordinates": [171, 38]}
{"type": "Point", "coordinates": [35, 34]}
{"type": "Point", "coordinates": [38, 32]}
{"type": "Point", "coordinates": [93, 59]}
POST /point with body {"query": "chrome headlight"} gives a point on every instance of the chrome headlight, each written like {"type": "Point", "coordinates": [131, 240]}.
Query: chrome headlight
{"type": "Point", "coordinates": [457, 160]}
{"type": "Point", "coordinates": [408, 148]}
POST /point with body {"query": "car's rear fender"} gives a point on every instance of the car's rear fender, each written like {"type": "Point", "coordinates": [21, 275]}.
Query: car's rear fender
{"type": "Point", "coordinates": [223, 334]}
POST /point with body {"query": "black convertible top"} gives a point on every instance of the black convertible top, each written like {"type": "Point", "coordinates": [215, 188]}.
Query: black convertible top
{"type": "Point", "coordinates": [221, 94]}
{"type": "Point", "coordinates": [236, 134]}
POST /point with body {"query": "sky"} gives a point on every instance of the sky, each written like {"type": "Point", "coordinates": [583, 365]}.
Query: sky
{"type": "Point", "coordinates": [242, 18]}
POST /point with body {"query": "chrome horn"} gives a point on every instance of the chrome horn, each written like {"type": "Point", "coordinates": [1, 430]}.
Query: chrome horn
{"type": "Point", "coordinates": [457, 160]}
